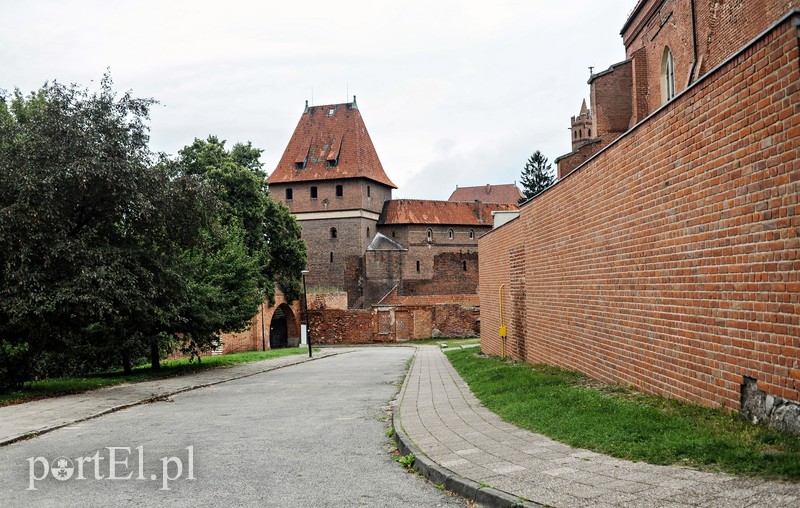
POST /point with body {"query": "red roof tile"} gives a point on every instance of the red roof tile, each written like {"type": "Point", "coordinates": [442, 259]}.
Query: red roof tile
{"type": "Point", "coordinates": [415, 211]}
{"type": "Point", "coordinates": [330, 142]}
{"type": "Point", "coordinates": [504, 193]}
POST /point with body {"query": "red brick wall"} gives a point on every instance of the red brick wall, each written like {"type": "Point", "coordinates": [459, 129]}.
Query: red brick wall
{"type": "Point", "coordinates": [612, 100]}
{"type": "Point", "coordinates": [328, 327]}
{"type": "Point", "coordinates": [255, 337]}
{"type": "Point", "coordinates": [670, 260]}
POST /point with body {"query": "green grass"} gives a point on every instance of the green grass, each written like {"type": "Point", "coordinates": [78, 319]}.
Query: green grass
{"type": "Point", "coordinates": [626, 424]}
{"type": "Point", "coordinates": [450, 341]}
{"type": "Point", "coordinates": [169, 368]}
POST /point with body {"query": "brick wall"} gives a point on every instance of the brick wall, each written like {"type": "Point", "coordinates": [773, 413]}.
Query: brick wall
{"type": "Point", "coordinates": [670, 261]}
{"type": "Point", "coordinates": [354, 326]}
{"type": "Point", "coordinates": [612, 100]}
{"type": "Point", "coordinates": [256, 337]}
{"type": "Point", "coordinates": [336, 300]}
{"type": "Point", "coordinates": [357, 193]}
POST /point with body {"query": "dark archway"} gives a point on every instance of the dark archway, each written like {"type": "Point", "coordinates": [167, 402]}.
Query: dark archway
{"type": "Point", "coordinates": [278, 330]}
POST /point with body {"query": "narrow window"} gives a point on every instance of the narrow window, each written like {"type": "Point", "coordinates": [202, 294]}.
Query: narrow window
{"type": "Point", "coordinates": [300, 165]}
{"type": "Point", "coordinates": [288, 194]}
{"type": "Point", "coordinates": [471, 234]}
{"type": "Point", "coordinates": [368, 195]}
{"type": "Point", "coordinates": [667, 76]}
{"type": "Point", "coordinates": [333, 232]}
{"type": "Point", "coordinates": [417, 266]}
{"type": "Point", "coordinates": [575, 134]}
{"type": "Point", "coordinates": [392, 233]}
{"type": "Point", "coordinates": [331, 257]}
{"type": "Point", "coordinates": [430, 235]}
{"type": "Point", "coordinates": [464, 265]}
{"type": "Point", "coordinates": [450, 234]}
{"type": "Point", "coordinates": [590, 133]}
{"type": "Point", "coordinates": [367, 231]}
{"type": "Point", "coordinates": [339, 191]}
{"type": "Point", "coordinates": [313, 193]}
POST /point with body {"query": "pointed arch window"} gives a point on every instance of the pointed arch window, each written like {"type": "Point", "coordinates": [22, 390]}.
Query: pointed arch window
{"type": "Point", "coordinates": [471, 234]}
{"type": "Point", "coordinates": [333, 232]}
{"type": "Point", "coordinates": [430, 235]}
{"type": "Point", "coordinates": [667, 76]}
{"type": "Point", "coordinates": [450, 234]}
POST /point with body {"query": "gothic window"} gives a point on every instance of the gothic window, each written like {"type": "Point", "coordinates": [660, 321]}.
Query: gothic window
{"type": "Point", "coordinates": [471, 234]}
{"type": "Point", "coordinates": [313, 193]}
{"type": "Point", "coordinates": [333, 232]}
{"type": "Point", "coordinates": [288, 194]}
{"type": "Point", "coordinates": [667, 76]}
{"type": "Point", "coordinates": [430, 235]}
{"type": "Point", "coordinates": [450, 234]}
{"type": "Point", "coordinates": [339, 191]}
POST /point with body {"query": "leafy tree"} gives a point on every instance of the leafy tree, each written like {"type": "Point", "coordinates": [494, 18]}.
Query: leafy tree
{"type": "Point", "coordinates": [536, 176]}
{"type": "Point", "coordinates": [88, 224]}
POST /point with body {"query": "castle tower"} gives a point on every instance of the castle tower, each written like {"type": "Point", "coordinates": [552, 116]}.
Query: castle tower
{"type": "Point", "coordinates": [582, 126]}
{"type": "Point", "coordinates": [331, 179]}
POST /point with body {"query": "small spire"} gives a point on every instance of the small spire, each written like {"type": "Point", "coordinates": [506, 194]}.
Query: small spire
{"type": "Point", "coordinates": [306, 110]}
{"type": "Point", "coordinates": [584, 109]}
{"type": "Point", "coordinates": [354, 105]}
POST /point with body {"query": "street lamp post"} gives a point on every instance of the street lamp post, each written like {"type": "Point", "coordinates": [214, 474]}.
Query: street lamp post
{"type": "Point", "coordinates": [305, 312]}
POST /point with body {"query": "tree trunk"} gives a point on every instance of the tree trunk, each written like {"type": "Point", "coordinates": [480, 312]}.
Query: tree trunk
{"type": "Point", "coordinates": [155, 355]}
{"type": "Point", "coordinates": [126, 363]}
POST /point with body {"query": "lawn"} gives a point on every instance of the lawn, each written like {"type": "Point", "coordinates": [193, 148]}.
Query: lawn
{"type": "Point", "coordinates": [450, 341]}
{"type": "Point", "coordinates": [66, 385]}
{"type": "Point", "coordinates": [623, 423]}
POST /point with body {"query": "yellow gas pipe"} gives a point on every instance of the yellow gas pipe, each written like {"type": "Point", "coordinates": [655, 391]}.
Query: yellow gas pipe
{"type": "Point", "coordinates": [502, 325]}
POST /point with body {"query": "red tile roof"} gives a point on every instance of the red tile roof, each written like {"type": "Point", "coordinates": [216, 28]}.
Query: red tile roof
{"type": "Point", "coordinates": [330, 142]}
{"type": "Point", "coordinates": [504, 193]}
{"type": "Point", "coordinates": [415, 211]}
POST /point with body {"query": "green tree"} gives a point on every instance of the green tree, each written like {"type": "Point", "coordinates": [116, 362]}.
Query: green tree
{"type": "Point", "coordinates": [536, 176]}
{"type": "Point", "coordinates": [88, 225]}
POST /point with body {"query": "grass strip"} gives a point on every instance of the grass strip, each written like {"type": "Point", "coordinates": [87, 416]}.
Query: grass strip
{"type": "Point", "coordinates": [450, 341]}
{"type": "Point", "coordinates": [45, 388]}
{"type": "Point", "coordinates": [616, 421]}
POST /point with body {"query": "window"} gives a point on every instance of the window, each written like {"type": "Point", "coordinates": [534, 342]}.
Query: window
{"type": "Point", "coordinates": [332, 163]}
{"type": "Point", "coordinates": [575, 134]}
{"type": "Point", "coordinates": [288, 194]}
{"type": "Point", "coordinates": [450, 234]}
{"type": "Point", "coordinates": [417, 266]}
{"type": "Point", "coordinates": [667, 76]}
{"type": "Point", "coordinates": [368, 232]}
{"type": "Point", "coordinates": [464, 264]}
{"type": "Point", "coordinates": [471, 234]}
{"type": "Point", "coordinates": [590, 134]}
{"type": "Point", "coordinates": [430, 235]}
{"type": "Point", "coordinates": [339, 191]}
{"type": "Point", "coordinates": [368, 195]}
{"type": "Point", "coordinates": [331, 257]}
{"type": "Point", "coordinates": [300, 165]}
{"type": "Point", "coordinates": [313, 193]}
{"type": "Point", "coordinates": [392, 233]}
{"type": "Point", "coordinates": [333, 232]}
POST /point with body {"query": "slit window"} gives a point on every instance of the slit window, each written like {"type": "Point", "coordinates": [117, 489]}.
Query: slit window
{"type": "Point", "coordinates": [313, 193]}
{"type": "Point", "coordinates": [331, 257]}
{"type": "Point", "coordinates": [368, 195]}
{"type": "Point", "coordinates": [417, 266]}
{"type": "Point", "coordinates": [464, 265]}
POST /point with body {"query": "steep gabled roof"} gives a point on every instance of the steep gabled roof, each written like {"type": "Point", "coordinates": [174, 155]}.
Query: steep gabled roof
{"type": "Point", "coordinates": [452, 213]}
{"type": "Point", "coordinates": [504, 193]}
{"type": "Point", "coordinates": [330, 142]}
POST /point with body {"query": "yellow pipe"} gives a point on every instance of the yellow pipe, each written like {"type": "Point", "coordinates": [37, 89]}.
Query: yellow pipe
{"type": "Point", "coordinates": [502, 331]}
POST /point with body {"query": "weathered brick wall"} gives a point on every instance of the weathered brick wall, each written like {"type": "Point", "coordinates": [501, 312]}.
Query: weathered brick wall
{"type": "Point", "coordinates": [337, 300]}
{"type": "Point", "coordinates": [354, 326]}
{"type": "Point", "coordinates": [256, 337]}
{"type": "Point", "coordinates": [447, 273]}
{"type": "Point", "coordinates": [670, 261]}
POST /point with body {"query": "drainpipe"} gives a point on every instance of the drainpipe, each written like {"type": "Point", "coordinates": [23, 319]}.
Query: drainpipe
{"type": "Point", "coordinates": [694, 43]}
{"type": "Point", "coordinates": [502, 331]}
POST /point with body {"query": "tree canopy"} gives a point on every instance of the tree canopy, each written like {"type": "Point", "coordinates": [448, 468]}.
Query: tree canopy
{"type": "Point", "coordinates": [536, 176]}
{"type": "Point", "coordinates": [108, 251]}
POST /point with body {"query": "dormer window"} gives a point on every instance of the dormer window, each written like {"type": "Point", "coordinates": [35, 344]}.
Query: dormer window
{"type": "Point", "coordinates": [300, 165]}
{"type": "Point", "coordinates": [331, 111]}
{"type": "Point", "coordinates": [333, 163]}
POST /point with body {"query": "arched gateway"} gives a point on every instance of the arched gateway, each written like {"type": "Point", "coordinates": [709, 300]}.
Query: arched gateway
{"type": "Point", "coordinates": [283, 328]}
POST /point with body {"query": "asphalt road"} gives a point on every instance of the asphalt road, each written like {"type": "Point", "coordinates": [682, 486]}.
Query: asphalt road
{"type": "Point", "coordinates": [311, 435]}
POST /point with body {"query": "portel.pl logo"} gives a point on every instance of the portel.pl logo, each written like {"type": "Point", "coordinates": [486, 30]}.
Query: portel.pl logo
{"type": "Point", "coordinates": [116, 466]}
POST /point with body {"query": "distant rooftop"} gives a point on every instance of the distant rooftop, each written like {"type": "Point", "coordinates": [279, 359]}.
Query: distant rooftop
{"type": "Point", "coordinates": [416, 211]}
{"type": "Point", "coordinates": [329, 143]}
{"type": "Point", "coordinates": [502, 194]}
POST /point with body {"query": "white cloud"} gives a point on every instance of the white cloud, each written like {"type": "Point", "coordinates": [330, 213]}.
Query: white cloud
{"type": "Point", "coordinates": [453, 92]}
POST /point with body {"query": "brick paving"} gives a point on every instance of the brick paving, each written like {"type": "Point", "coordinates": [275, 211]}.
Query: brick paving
{"type": "Point", "coordinates": [441, 416]}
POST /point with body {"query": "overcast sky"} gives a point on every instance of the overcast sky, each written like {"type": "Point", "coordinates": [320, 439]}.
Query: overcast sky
{"type": "Point", "coordinates": [452, 92]}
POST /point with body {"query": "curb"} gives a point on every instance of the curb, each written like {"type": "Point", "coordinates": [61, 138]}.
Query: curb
{"type": "Point", "coordinates": [439, 475]}
{"type": "Point", "coordinates": [156, 398]}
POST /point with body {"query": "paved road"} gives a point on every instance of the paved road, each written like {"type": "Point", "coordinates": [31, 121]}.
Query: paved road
{"type": "Point", "coordinates": [307, 435]}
